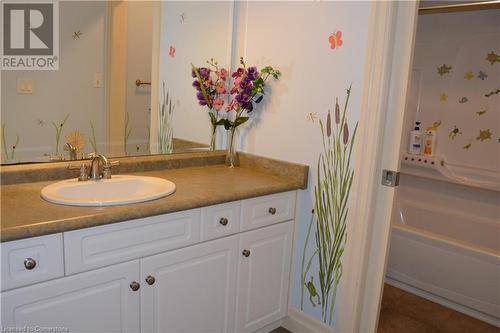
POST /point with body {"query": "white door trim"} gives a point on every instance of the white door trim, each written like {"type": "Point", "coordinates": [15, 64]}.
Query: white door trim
{"type": "Point", "coordinates": [155, 77]}
{"type": "Point", "coordinates": [387, 67]}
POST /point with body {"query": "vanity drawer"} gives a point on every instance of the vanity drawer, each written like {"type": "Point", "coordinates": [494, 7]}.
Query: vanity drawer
{"type": "Point", "coordinates": [220, 220]}
{"type": "Point", "coordinates": [262, 211]}
{"type": "Point", "coordinates": [31, 260]}
{"type": "Point", "coordinates": [101, 246]}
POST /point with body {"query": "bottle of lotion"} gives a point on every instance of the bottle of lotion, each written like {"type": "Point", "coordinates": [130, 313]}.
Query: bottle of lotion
{"type": "Point", "coordinates": [429, 143]}
{"type": "Point", "coordinates": [415, 147]}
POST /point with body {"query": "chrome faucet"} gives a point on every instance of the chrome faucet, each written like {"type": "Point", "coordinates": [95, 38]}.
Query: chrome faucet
{"type": "Point", "coordinates": [100, 168]}
{"type": "Point", "coordinates": [72, 151]}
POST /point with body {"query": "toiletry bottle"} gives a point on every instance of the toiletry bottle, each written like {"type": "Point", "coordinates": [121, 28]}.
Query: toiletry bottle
{"type": "Point", "coordinates": [430, 142]}
{"type": "Point", "coordinates": [415, 140]}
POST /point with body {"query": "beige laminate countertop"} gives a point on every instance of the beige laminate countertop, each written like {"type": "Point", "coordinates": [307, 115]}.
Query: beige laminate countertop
{"type": "Point", "coordinates": [25, 214]}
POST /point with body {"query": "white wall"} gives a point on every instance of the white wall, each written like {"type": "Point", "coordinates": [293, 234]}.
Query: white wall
{"type": "Point", "coordinates": [69, 90]}
{"type": "Point", "coordinates": [293, 37]}
{"type": "Point", "coordinates": [204, 33]}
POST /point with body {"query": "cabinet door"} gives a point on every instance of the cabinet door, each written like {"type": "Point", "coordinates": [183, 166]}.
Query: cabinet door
{"type": "Point", "coordinates": [193, 288]}
{"type": "Point", "coordinates": [96, 301]}
{"type": "Point", "coordinates": [263, 276]}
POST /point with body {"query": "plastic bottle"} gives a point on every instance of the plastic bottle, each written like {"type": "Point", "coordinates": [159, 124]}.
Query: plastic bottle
{"type": "Point", "coordinates": [415, 147]}
{"type": "Point", "coordinates": [430, 142]}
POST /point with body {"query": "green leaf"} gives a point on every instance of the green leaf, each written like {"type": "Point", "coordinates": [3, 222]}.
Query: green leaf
{"type": "Point", "coordinates": [227, 124]}
{"type": "Point", "coordinates": [240, 120]}
{"type": "Point", "coordinates": [220, 122]}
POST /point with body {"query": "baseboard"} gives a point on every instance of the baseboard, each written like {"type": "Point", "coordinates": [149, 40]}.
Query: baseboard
{"type": "Point", "coordinates": [268, 328]}
{"type": "Point", "coordinates": [300, 322]}
{"type": "Point", "coordinates": [444, 302]}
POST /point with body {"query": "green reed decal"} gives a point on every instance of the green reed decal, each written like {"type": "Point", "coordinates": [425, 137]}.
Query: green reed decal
{"type": "Point", "coordinates": [329, 218]}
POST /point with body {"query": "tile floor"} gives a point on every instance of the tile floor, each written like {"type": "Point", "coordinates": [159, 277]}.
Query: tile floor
{"type": "Point", "coordinates": [407, 313]}
{"type": "Point", "coordinates": [402, 312]}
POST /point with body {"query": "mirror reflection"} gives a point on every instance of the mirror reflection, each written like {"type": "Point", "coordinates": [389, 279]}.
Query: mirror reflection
{"type": "Point", "coordinates": [123, 86]}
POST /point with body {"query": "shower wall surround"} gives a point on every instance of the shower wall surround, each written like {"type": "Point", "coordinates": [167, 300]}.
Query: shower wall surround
{"type": "Point", "coordinates": [456, 81]}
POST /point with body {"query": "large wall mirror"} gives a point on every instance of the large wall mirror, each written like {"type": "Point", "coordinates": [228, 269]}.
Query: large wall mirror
{"type": "Point", "coordinates": [123, 86]}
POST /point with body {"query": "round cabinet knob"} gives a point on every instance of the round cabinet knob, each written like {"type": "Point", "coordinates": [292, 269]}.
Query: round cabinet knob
{"type": "Point", "coordinates": [272, 210]}
{"type": "Point", "coordinates": [29, 263]}
{"type": "Point", "coordinates": [135, 285]}
{"type": "Point", "coordinates": [246, 253]}
{"type": "Point", "coordinates": [150, 279]}
{"type": "Point", "coordinates": [224, 221]}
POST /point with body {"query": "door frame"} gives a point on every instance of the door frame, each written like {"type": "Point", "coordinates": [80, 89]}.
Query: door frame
{"type": "Point", "coordinates": [392, 27]}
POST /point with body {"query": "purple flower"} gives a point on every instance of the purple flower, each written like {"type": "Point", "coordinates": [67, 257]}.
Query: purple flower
{"type": "Point", "coordinates": [196, 84]}
{"type": "Point", "coordinates": [204, 73]}
{"type": "Point", "coordinates": [253, 73]}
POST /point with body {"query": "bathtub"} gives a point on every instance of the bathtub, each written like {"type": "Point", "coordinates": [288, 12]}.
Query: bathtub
{"type": "Point", "coordinates": [445, 245]}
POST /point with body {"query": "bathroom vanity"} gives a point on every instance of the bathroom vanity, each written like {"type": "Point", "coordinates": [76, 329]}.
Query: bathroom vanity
{"type": "Point", "coordinates": [220, 265]}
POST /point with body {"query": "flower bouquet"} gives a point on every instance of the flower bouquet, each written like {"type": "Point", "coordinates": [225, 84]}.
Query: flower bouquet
{"type": "Point", "coordinates": [247, 91]}
{"type": "Point", "coordinates": [210, 84]}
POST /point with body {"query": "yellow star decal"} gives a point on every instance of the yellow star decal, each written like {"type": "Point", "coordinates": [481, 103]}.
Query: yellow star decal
{"type": "Point", "coordinates": [442, 70]}
{"type": "Point", "coordinates": [469, 75]}
{"type": "Point", "coordinates": [443, 97]}
{"type": "Point", "coordinates": [484, 135]}
{"type": "Point", "coordinates": [492, 57]}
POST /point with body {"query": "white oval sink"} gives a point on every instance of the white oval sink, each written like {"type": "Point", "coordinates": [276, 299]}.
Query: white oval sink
{"type": "Point", "coordinates": [119, 190]}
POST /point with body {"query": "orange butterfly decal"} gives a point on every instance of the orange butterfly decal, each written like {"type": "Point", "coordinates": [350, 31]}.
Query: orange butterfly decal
{"type": "Point", "coordinates": [335, 40]}
{"type": "Point", "coordinates": [171, 51]}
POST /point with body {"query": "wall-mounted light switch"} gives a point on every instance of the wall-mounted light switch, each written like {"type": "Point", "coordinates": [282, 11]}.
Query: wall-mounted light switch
{"type": "Point", "coordinates": [97, 80]}
{"type": "Point", "coordinates": [25, 86]}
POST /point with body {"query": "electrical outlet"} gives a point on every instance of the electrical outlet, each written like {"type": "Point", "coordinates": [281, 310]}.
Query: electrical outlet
{"type": "Point", "coordinates": [25, 86]}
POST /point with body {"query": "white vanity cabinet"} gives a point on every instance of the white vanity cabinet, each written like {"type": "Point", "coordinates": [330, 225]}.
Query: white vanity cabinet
{"type": "Point", "coordinates": [264, 274]}
{"type": "Point", "coordinates": [223, 268]}
{"type": "Point", "coordinates": [95, 301]}
{"type": "Point", "coordinates": [192, 289]}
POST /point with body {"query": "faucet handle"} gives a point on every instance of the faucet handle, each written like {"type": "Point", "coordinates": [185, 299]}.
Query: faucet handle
{"type": "Point", "coordinates": [84, 173]}
{"type": "Point", "coordinates": [106, 169]}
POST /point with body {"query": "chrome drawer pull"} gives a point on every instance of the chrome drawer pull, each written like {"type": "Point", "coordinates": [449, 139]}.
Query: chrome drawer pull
{"type": "Point", "coordinates": [224, 221]}
{"type": "Point", "coordinates": [29, 263]}
{"type": "Point", "coordinates": [246, 253]}
{"type": "Point", "coordinates": [150, 279]}
{"type": "Point", "coordinates": [272, 210]}
{"type": "Point", "coordinates": [135, 285]}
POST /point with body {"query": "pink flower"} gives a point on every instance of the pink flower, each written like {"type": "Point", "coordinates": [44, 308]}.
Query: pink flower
{"type": "Point", "coordinates": [239, 72]}
{"type": "Point", "coordinates": [220, 87]}
{"type": "Point", "coordinates": [223, 73]}
{"type": "Point", "coordinates": [232, 105]}
{"type": "Point", "coordinates": [208, 82]}
{"type": "Point", "coordinates": [218, 104]}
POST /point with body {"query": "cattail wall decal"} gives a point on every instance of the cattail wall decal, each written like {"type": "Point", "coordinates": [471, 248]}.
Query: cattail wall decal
{"type": "Point", "coordinates": [328, 125]}
{"type": "Point", "coordinates": [337, 111]}
{"type": "Point", "coordinates": [346, 133]}
{"type": "Point", "coordinates": [327, 231]}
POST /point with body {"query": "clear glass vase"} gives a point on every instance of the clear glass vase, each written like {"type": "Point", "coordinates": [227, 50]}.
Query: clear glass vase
{"type": "Point", "coordinates": [232, 159]}
{"type": "Point", "coordinates": [213, 138]}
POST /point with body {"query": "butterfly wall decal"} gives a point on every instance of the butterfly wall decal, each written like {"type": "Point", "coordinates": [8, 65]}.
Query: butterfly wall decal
{"type": "Point", "coordinates": [335, 40]}
{"type": "Point", "coordinates": [171, 51]}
